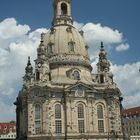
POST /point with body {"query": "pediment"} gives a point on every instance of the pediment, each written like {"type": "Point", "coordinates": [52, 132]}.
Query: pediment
{"type": "Point", "coordinates": [80, 85]}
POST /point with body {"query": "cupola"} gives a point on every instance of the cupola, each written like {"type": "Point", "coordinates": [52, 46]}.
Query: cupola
{"type": "Point", "coordinates": [103, 67]}
{"type": "Point", "coordinates": [62, 12]}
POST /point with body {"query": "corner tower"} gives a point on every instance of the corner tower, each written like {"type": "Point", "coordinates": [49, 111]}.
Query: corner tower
{"type": "Point", "coordinates": [62, 99]}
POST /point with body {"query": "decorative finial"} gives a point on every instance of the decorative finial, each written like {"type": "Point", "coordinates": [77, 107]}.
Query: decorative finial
{"type": "Point", "coordinates": [102, 45]}
{"type": "Point", "coordinates": [42, 36]}
{"type": "Point", "coordinates": [29, 66]}
{"type": "Point", "coordinates": [29, 60]}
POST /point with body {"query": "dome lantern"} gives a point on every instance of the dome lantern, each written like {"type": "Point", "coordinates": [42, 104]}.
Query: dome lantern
{"type": "Point", "coordinates": [62, 12]}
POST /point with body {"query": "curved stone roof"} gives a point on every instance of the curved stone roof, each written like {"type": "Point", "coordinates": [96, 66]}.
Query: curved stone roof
{"type": "Point", "coordinates": [67, 44]}
{"type": "Point", "coordinates": [61, 38]}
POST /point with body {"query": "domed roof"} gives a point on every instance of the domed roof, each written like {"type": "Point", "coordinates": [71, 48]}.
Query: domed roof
{"type": "Point", "coordinates": [65, 43]}
{"type": "Point", "coordinates": [65, 39]}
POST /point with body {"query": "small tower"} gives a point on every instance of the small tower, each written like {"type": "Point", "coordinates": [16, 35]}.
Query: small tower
{"type": "Point", "coordinates": [103, 67]}
{"type": "Point", "coordinates": [41, 48]}
{"type": "Point", "coordinates": [103, 64]}
{"type": "Point", "coordinates": [41, 63]}
{"type": "Point", "coordinates": [62, 12]}
{"type": "Point", "coordinates": [27, 79]}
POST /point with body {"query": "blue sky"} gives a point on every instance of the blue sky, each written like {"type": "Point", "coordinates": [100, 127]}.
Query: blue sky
{"type": "Point", "coordinates": [121, 14]}
{"type": "Point", "coordinates": [116, 22]}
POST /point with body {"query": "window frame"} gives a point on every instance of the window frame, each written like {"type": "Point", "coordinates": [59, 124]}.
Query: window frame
{"type": "Point", "coordinates": [76, 75]}
{"type": "Point", "coordinates": [71, 46]}
{"type": "Point", "coordinates": [38, 119]}
{"type": "Point", "coordinates": [100, 118]}
{"type": "Point", "coordinates": [81, 118]}
{"type": "Point", "coordinates": [58, 126]}
{"type": "Point", "coordinates": [64, 9]}
{"type": "Point", "coordinates": [50, 48]}
{"type": "Point", "coordinates": [58, 118]}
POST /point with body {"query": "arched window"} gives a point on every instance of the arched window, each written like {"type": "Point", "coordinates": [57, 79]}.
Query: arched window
{"type": "Point", "coordinates": [58, 121]}
{"type": "Point", "coordinates": [37, 75]}
{"type": "Point", "coordinates": [100, 112]}
{"type": "Point", "coordinates": [71, 46]}
{"type": "Point", "coordinates": [81, 125]}
{"type": "Point", "coordinates": [37, 119]}
{"type": "Point", "coordinates": [101, 78]}
{"type": "Point", "coordinates": [100, 119]}
{"type": "Point", "coordinates": [76, 75]}
{"type": "Point", "coordinates": [50, 48]}
{"type": "Point", "coordinates": [63, 9]}
{"type": "Point", "coordinates": [57, 111]}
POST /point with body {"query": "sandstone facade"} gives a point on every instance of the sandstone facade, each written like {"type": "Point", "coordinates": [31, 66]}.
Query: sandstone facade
{"type": "Point", "coordinates": [63, 99]}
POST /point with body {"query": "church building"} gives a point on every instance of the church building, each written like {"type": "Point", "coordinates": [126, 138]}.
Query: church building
{"type": "Point", "coordinates": [62, 99]}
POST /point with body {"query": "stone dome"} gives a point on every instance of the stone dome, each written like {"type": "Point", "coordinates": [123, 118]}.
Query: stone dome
{"type": "Point", "coordinates": [63, 38]}
{"type": "Point", "coordinates": [64, 44]}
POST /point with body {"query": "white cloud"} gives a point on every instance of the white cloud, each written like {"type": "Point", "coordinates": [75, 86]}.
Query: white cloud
{"type": "Point", "coordinates": [16, 44]}
{"type": "Point", "coordinates": [122, 47]}
{"type": "Point", "coordinates": [35, 35]}
{"type": "Point", "coordinates": [78, 26]}
{"type": "Point", "coordinates": [127, 78]}
{"type": "Point", "coordinates": [95, 33]}
{"type": "Point", "coordinates": [10, 29]}
{"type": "Point", "coordinates": [8, 92]}
{"type": "Point", "coordinates": [3, 56]}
